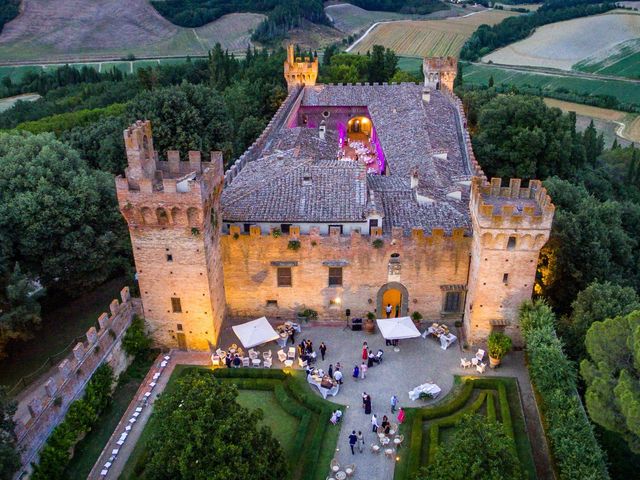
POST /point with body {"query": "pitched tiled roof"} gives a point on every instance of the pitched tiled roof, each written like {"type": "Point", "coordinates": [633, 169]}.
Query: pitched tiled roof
{"type": "Point", "coordinates": [415, 137]}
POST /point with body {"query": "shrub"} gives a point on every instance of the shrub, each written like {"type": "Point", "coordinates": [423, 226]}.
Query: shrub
{"type": "Point", "coordinates": [276, 233]}
{"type": "Point", "coordinates": [309, 314]}
{"type": "Point", "coordinates": [293, 245]}
{"type": "Point", "coordinates": [371, 316]}
{"type": "Point", "coordinates": [498, 345]}
{"type": "Point", "coordinates": [571, 437]}
{"type": "Point", "coordinates": [377, 243]}
{"type": "Point", "coordinates": [81, 415]}
{"type": "Point", "coordinates": [195, 231]}
{"type": "Point", "coordinates": [236, 236]}
{"type": "Point", "coordinates": [416, 316]}
{"type": "Point", "coordinates": [135, 341]}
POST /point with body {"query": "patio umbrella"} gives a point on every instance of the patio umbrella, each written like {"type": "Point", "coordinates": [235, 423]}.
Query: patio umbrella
{"type": "Point", "coordinates": [397, 328]}
{"type": "Point", "coordinates": [255, 332]}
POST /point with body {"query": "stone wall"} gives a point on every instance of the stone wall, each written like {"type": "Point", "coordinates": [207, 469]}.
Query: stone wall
{"type": "Point", "coordinates": [428, 264]}
{"type": "Point", "coordinates": [67, 385]}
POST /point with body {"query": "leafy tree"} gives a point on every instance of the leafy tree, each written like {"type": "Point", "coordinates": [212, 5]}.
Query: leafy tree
{"type": "Point", "coordinates": [19, 309]}
{"type": "Point", "coordinates": [490, 84]}
{"type": "Point", "coordinates": [9, 458]}
{"type": "Point", "coordinates": [59, 218]}
{"type": "Point", "coordinates": [612, 374]}
{"type": "Point", "coordinates": [205, 434]}
{"type": "Point", "coordinates": [479, 449]}
{"type": "Point", "coordinates": [135, 341]}
{"type": "Point", "coordinates": [595, 303]}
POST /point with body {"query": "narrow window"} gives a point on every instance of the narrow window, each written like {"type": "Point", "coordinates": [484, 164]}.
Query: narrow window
{"type": "Point", "coordinates": [272, 303]}
{"type": "Point", "coordinates": [336, 226]}
{"type": "Point", "coordinates": [452, 302]}
{"type": "Point", "coordinates": [285, 228]}
{"type": "Point", "coordinates": [335, 276]}
{"type": "Point", "coordinates": [511, 244]}
{"type": "Point", "coordinates": [175, 305]}
{"type": "Point", "coordinates": [169, 257]}
{"type": "Point", "coordinates": [179, 327]}
{"type": "Point", "coordinates": [284, 276]}
{"type": "Point", "coordinates": [246, 227]}
{"type": "Point", "coordinates": [505, 278]}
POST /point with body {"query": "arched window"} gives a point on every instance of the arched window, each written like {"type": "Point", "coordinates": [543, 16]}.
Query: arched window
{"type": "Point", "coordinates": [163, 218]}
{"type": "Point", "coordinates": [511, 243]}
{"type": "Point", "coordinates": [147, 216]}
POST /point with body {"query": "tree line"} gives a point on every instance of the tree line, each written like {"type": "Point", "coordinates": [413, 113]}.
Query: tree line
{"type": "Point", "coordinates": [60, 229]}
{"type": "Point", "coordinates": [488, 38]}
{"type": "Point", "coordinates": [9, 10]}
{"type": "Point", "coordinates": [420, 7]}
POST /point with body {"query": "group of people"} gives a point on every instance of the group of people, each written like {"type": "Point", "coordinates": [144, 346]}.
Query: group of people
{"type": "Point", "coordinates": [305, 351]}
{"type": "Point", "coordinates": [335, 372]}
{"type": "Point", "coordinates": [368, 356]}
{"type": "Point", "coordinates": [233, 360]}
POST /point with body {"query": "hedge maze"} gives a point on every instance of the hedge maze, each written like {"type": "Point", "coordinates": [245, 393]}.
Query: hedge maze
{"type": "Point", "coordinates": [428, 428]}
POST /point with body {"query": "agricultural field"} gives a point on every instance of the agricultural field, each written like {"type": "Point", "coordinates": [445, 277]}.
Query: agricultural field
{"type": "Point", "coordinates": [592, 40]}
{"type": "Point", "coordinates": [422, 38]}
{"type": "Point", "coordinates": [76, 30]}
{"type": "Point", "coordinates": [622, 61]}
{"type": "Point", "coordinates": [623, 91]}
{"type": "Point", "coordinates": [612, 123]}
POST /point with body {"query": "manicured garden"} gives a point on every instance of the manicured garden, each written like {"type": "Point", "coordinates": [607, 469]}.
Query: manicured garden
{"type": "Point", "coordinates": [297, 417]}
{"type": "Point", "coordinates": [428, 429]}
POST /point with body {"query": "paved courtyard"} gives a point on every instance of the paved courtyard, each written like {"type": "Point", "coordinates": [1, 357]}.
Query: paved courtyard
{"type": "Point", "coordinates": [418, 361]}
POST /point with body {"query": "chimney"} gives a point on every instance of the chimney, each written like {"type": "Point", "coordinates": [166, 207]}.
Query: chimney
{"type": "Point", "coordinates": [426, 95]}
{"type": "Point", "coordinates": [414, 179]}
{"type": "Point", "coordinates": [321, 131]}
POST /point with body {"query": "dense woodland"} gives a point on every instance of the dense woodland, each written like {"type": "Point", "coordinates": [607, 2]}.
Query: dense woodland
{"type": "Point", "coordinates": [421, 7]}
{"type": "Point", "coordinates": [9, 10]}
{"type": "Point", "coordinates": [488, 38]}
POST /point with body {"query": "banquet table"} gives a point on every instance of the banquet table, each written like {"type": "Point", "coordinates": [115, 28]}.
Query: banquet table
{"type": "Point", "coordinates": [447, 339]}
{"type": "Point", "coordinates": [430, 388]}
{"type": "Point", "coordinates": [325, 392]}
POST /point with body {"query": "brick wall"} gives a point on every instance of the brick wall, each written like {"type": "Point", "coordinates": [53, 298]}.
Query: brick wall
{"type": "Point", "coordinates": [102, 345]}
{"type": "Point", "coordinates": [426, 263]}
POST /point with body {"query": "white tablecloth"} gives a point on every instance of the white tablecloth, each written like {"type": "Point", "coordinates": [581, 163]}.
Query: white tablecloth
{"type": "Point", "coordinates": [446, 340]}
{"type": "Point", "coordinates": [325, 392]}
{"type": "Point", "coordinates": [431, 388]}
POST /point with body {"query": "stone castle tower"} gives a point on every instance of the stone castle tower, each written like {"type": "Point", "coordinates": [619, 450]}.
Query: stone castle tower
{"type": "Point", "coordinates": [440, 72]}
{"type": "Point", "coordinates": [510, 226]}
{"type": "Point", "coordinates": [298, 71]}
{"type": "Point", "coordinates": [171, 208]}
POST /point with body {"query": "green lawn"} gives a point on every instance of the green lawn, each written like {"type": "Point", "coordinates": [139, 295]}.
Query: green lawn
{"type": "Point", "coordinates": [411, 65]}
{"type": "Point", "coordinates": [88, 451]}
{"type": "Point", "coordinates": [625, 62]}
{"type": "Point", "coordinates": [60, 329]}
{"type": "Point", "coordinates": [283, 425]}
{"type": "Point", "coordinates": [550, 85]}
{"type": "Point", "coordinates": [297, 416]}
{"type": "Point", "coordinates": [496, 397]}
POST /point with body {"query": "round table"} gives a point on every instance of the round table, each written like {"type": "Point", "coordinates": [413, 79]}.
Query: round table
{"type": "Point", "coordinates": [341, 475]}
{"type": "Point", "coordinates": [385, 441]}
{"type": "Point", "coordinates": [396, 441]}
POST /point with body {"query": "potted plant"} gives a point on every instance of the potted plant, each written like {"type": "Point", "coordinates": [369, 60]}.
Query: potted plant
{"type": "Point", "coordinates": [307, 314]}
{"type": "Point", "coordinates": [370, 326]}
{"type": "Point", "coordinates": [416, 317]}
{"type": "Point", "coordinates": [498, 345]}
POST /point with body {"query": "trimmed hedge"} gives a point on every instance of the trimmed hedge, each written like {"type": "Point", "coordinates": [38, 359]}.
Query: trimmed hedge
{"type": "Point", "coordinates": [82, 414]}
{"type": "Point", "coordinates": [573, 444]}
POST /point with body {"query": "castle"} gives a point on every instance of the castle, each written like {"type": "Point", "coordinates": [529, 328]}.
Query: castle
{"type": "Point", "coordinates": [354, 197]}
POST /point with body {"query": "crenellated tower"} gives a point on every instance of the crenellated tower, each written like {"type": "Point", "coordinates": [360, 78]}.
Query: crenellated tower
{"type": "Point", "coordinates": [171, 208]}
{"type": "Point", "coordinates": [440, 72]}
{"type": "Point", "coordinates": [299, 71]}
{"type": "Point", "coordinates": [510, 226]}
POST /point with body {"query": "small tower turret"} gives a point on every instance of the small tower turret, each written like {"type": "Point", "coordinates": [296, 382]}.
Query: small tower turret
{"type": "Point", "coordinates": [299, 71]}
{"type": "Point", "coordinates": [510, 226]}
{"type": "Point", "coordinates": [440, 72]}
{"type": "Point", "coordinates": [171, 208]}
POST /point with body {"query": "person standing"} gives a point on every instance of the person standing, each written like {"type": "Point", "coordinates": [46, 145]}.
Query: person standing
{"type": "Point", "coordinates": [394, 403]}
{"type": "Point", "coordinates": [374, 423]}
{"type": "Point", "coordinates": [363, 370]}
{"type": "Point", "coordinates": [388, 309]}
{"type": "Point", "coordinates": [364, 399]}
{"type": "Point", "coordinates": [338, 376]}
{"type": "Point", "coordinates": [365, 350]}
{"type": "Point", "coordinates": [400, 415]}
{"type": "Point", "coordinates": [323, 350]}
{"type": "Point", "coordinates": [356, 372]}
{"type": "Point", "coordinates": [367, 404]}
{"type": "Point", "coordinates": [353, 439]}
{"type": "Point", "coordinates": [360, 441]}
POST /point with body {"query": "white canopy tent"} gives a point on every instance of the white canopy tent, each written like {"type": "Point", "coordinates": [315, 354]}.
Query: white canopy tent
{"type": "Point", "coordinates": [397, 328]}
{"type": "Point", "coordinates": [255, 332]}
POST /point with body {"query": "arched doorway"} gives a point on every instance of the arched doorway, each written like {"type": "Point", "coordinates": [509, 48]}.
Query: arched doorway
{"type": "Point", "coordinates": [397, 295]}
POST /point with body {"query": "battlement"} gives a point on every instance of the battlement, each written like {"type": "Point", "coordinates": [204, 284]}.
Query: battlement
{"type": "Point", "coordinates": [440, 72]}
{"type": "Point", "coordinates": [514, 206]}
{"type": "Point", "coordinates": [396, 233]}
{"type": "Point", "coordinates": [299, 71]}
{"type": "Point", "coordinates": [441, 63]}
